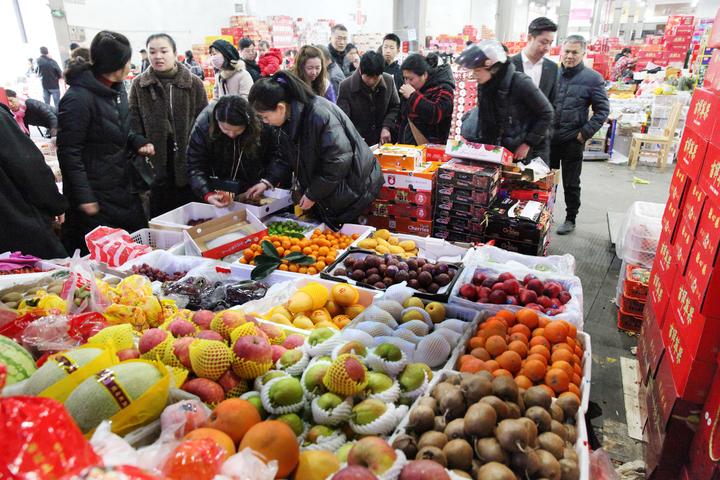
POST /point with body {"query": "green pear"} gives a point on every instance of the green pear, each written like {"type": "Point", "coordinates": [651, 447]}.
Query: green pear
{"type": "Point", "coordinates": [436, 310]}
{"type": "Point", "coordinates": [271, 375]}
{"type": "Point", "coordinates": [378, 382]}
{"type": "Point", "coordinates": [413, 302]}
{"type": "Point", "coordinates": [412, 315]}
{"type": "Point", "coordinates": [342, 453]}
{"type": "Point", "coordinates": [319, 335]}
{"type": "Point", "coordinates": [412, 377]}
{"type": "Point", "coordinates": [256, 402]}
{"type": "Point", "coordinates": [329, 401]}
{"type": "Point", "coordinates": [294, 422]}
{"type": "Point", "coordinates": [316, 432]}
{"type": "Point", "coordinates": [286, 391]}
{"type": "Point", "coordinates": [368, 411]}
{"type": "Point", "coordinates": [389, 352]}
{"type": "Point", "coordinates": [291, 357]}
{"type": "Point", "coordinates": [314, 379]}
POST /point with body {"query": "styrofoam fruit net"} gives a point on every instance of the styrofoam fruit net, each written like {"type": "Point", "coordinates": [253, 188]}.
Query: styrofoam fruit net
{"type": "Point", "coordinates": [247, 369]}
{"type": "Point", "coordinates": [326, 347]}
{"type": "Point", "coordinates": [383, 425]}
{"type": "Point", "coordinates": [379, 364]}
{"type": "Point", "coordinates": [353, 351]}
{"type": "Point", "coordinates": [407, 347]}
{"type": "Point", "coordinates": [391, 395]}
{"type": "Point", "coordinates": [217, 325]}
{"type": "Point", "coordinates": [297, 368]}
{"type": "Point", "coordinates": [452, 337]}
{"type": "Point", "coordinates": [338, 381]}
{"type": "Point", "coordinates": [457, 326]}
{"type": "Point", "coordinates": [433, 351]}
{"type": "Point", "coordinates": [356, 335]}
{"type": "Point", "coordinates": [375, 329]}
{"type": "Point", "coordinates": [334, 417]}
{"type": "Point", "coordinates": [158, 351]}
{"type": "Point", "coordinates": [244, 330]}
{"type": "Point", "coordinates": [394, 471]}
{"type": "Point", "coordinates": [425, 315]}
{"type": "Point", "coordinates": [210, 358]}
{"type": "Point", "coordinates": [391, 306]}
{"type": "Point", "coordinates": [238, 390]}
{"type": "Point", "coordinates": [407, 335]}
{"type": "Point", "coordinates": [331, 443]}
{"type": "Point", "coordinates": [418, 327]}
{"type": "Point", "coordinates": [399, 293]}
{"type": "Point", "coordinates": [121, 336]}
{"type": "Point", "coordinates": [308, 394]}
{"type": "Point", "coordinates": [376, 314]}
{"type": "Point", "coordinates": [280, 409]}
{"type": "Point", "coordinates": [171, 359]}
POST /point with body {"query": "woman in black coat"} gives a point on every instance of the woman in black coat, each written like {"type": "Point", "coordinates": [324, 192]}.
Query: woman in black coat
{"type": "Point", "coordinates": [512, 111]}
{"type": "Point", "coordinates": [93, 142]}
{"type": "Point", "coordinates": [231, 152]}
{"type": "Point", "coordinates": [334, 172]}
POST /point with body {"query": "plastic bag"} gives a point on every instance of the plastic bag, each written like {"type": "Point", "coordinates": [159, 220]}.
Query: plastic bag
{"type": "Point", "coordinates": [167, 262]}
{"type": "Point", "coordinates": [601, 468]}
{"type": "Point", "coordinates": [199, 459]}
{"type": "Point", "coordinates": [246, 465]}
{"type": "Point", "coordinates": [41, 440]}
{"type": "Point", "coordinates": [488, 255]}
{"type": "Point", "coordinates": [120, 472]}
{"type": "Point", "coordinates": [80, 289]}
{"type": "Point", "coordinates": [113, 449]}
{"type": "Point", "coordinates": [56, 333]}
{"type": "Point", "coordinates": [113, 246]}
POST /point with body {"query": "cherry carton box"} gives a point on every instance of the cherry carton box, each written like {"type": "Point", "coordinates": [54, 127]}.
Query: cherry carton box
{"type": "Point", "coordinates": [705, 448]}
{"type": "Point", "coordinates": [691, 377]}
{"type": "Point", "coordinates": [710, 174]}
{"type": "Point", "coordinates": [712, 74]}
{"type": "Point", "coordinates": [683, 245]}
{"type": "Point", "coordinates": [693, 205]}
{"type": "Point", "coordinates": [668, 400]}
{"type": "Point", "coordinates": [468, 174]}
{"type": "Point", "coordinates": [691, 153]}
{"type": "Point", "coordinates": [449, 194]}
{"type": "Point", "coordinates": [463, 210]}
{"type": "Point", "coordinates": [478, 151]}
{"type": "Point", "coordinates": [420, 180]}
{"type": "Point", "coordinates": [400, 157]}
{"type": "Point", "coordinates": [435, 153]}
{"type": "Point", "coordinates": [421, 228]}
{"type": "Point", "coordinates": [470, 224]}
{"type": "Point", "coordinates": [399, 209]}
{"type": "Point", "coordinates": [404, 195]}
{"type": "Point", "coordinates": [704, 114]}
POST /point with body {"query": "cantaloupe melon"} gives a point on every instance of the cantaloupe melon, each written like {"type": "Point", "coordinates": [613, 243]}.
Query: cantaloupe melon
{"type": "Point", "coordinates": [59, 367]}
{"type": "Point", "coordinates": [19, 363]}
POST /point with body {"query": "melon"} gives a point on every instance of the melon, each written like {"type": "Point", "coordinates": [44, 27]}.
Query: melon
{"type": "Point", "coordinates": [92, 401]}
{"type": "Point", "coordinates": [59, 367]}
{"type": "Point", "coordinates": [19, 362]}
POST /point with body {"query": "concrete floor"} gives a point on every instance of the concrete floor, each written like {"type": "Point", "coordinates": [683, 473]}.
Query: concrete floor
{"type": "Point", "coordinates": [606, 188]}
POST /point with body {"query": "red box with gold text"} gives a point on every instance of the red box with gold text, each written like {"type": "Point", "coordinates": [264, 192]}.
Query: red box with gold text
{"type": "Point", "coordinates": [704, 114]}
{"type": "Point", "coordinates": [691, 152]}
{"type": "Point", "coordinates": [710, 175]}
{"type": "Point", "coordinates": [699, 332]}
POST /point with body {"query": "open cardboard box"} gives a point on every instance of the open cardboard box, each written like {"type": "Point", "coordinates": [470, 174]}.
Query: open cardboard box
{"type": "Point", "coordinates": [178, 219]}
{"type": "Point", "coordinates": [225, 235]}
{"type": "Point", "coordinates": [280, 199]}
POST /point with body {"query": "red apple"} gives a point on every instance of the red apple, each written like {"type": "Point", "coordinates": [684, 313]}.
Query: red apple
{"type": "Point", "coordinates": [544, 301]}
{"type": "Point", "coordinates": [489, 282]}
{"type": "Point", "coordinates": [232, 319]}
{"type": "Point", "coordinates": [181, 328]}
{"type": "Point", "coordinates": [528, 277]}
{"type": "Point", "coordinates": [293, 340]}
{"type": "Point", "coordinates": [478, 278]}
{"type": "Point", "coordinates": [272, 331]}
{"type": "Point", "coordinates": [534, 306]}
{"type": "Point", "coordinates": [202, 318]}
{"type": "Point", "coordinates": [511, 300]}
{"type": "Point", "coordinates": [209, 392]}
{"type": "Point", "coordinates": [355, 369]}
{"type": "Point", "coordinates": [552, 289]}
{"type": "Point", "coordinates": [277, 352]}
{"type": "Point", "coordinates": [151, 338]}
{"type": "Point", "coordinates": [181, 349]}
{"type": "Point", "coordinates": [482, 291]}
{"type": "Point", "coordinates": [511, 286]}
{"type": "Point", "coordinates": [498, 297]}
{"type": "Point", "coordinates": [354, 472]}
{"type": "Point", "coordinates": [253, 348]}
{"type": "Point", "coordinates": [505, 276]}
{"type": "Point", "coordinates": [468, 292]}
{"type": "Point", "coordinates": [527, 296]}
{"type": "Point", "coordinates": [564, 297]}
{"type": "Point", "coordinates": [373, 453]}
{"type": "Point", "coordinates": [499, 286]}
{"type": "Point", "coordinates": [229, 380]}
{"type": "Point", "coordinates": [423, 470]}
{"type": "Point", "coordinates": [209, 335]}
{"type": "Point", "coordinates": [128, 354]}
{"type": "Point", "coordinates": [536, 286]}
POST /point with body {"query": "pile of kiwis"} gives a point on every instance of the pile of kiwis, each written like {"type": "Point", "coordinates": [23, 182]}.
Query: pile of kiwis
{"type": "Point", "coordinates": [486, 428]}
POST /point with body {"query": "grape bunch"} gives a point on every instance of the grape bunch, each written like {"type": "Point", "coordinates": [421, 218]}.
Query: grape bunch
{"type": "Point", "coordinates": [156, 275]}
{"type": "Point", "coordinates": [197, 221]}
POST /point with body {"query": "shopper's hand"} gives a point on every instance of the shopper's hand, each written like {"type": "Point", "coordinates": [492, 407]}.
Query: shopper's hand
{"type": "Point", "coordinates": [256, 190]}
{"type": "Point", "coordinates": [385, 136]}
{"type": "Point", "coordinates": [53, 132]}
{"type": "Point", "coordinates": [219, 199]}
{"type": "Point", "coordinates": [406, 90]}
{"type": "Point", "coordinates": [580, 137]}
{"type": "Point", "coordinates": [522, 151]}
{"type": "Point", "coordinates": [147, 150]}
{"type": "Point", "coordinates": [90, 208]}
{"type": "Point", "coordinates": [60, 219]}
{"type": "Point", "coordinates": [306, 203]}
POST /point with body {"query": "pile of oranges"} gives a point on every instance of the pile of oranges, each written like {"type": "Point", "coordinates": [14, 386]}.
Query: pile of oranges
{"type": "Point", "coordinates": [529, 348]}
{"type": "Point", "coordinates": [322, 246]}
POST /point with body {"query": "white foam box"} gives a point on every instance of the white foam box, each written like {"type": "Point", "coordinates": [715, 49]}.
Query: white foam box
{"type": "Point", "coordinates": [281, 199]}
{"type": "Point", "coordinates": [178, 219]}
{"type": "Point", "coordinates": [224, 236]}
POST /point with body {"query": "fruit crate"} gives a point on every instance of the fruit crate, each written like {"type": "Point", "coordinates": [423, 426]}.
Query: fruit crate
{"type": "Point", "coordinates": [632, 287]}
{"type": "Point", "coordinates": [157, 239]}
{"type": "Point", "coordinates": [164, 261]}
{"type": "Point", "coordinates": [632, 306]}
{"type": "Point", "coordinates": [178, 219]}
{"type": "Point", "coordinates": [581, 446]}
{"type": "Point", "coordinates": [628, 322]}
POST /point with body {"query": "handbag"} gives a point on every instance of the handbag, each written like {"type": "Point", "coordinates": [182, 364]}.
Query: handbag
{"type": "Point", "coordinates": [470, 125]}
{"type": "Point", "coordinates": [143, 176]}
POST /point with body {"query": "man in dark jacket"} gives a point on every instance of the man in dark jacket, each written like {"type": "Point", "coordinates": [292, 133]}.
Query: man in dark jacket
{"type": "Point", "coordinates": [338, 46]}
{"type": "Point", "coordinates": [531, 60]}
{"type": "Point", "coordinates": [29, 198]}
{"type": "Point", "coordinates": [579, 89]}
{"type": "Point", "coordinates": [390, 49]}
{"type": "Point", "coordinates": [370, 99]}
{"type": "Point", "coordinates": [248, 54]}
{"type": "Point", "coordinates": [36, 113]}
{"type": "Point", "coordinates": [49, 72]}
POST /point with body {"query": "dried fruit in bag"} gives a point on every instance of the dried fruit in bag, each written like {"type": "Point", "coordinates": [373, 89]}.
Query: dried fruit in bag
{"type": "Point", "coordinates": [195, 460]}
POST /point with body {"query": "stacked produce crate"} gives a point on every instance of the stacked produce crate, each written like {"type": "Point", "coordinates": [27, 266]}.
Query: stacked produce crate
{"type": "Point", "coordinates": [283, 32]}
{"type": "Point", "coordinates": [366, 42]}
{"type": "Point", "coordinates": [679, 346]}
{"type": "Point", "coordinates": [632, 297]}
{"type": "Point", "coordinates": [676, 41]}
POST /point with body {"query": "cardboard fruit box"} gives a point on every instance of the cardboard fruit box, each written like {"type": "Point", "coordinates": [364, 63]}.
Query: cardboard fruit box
{"type": "Point", "coordinates": [421, 228]}
{"type": "Point", "coordinates": [420, 180]}
{"type": "Point", "coordinates": [447, 194]}
{"type": "Point", "coordinates": [691, 153]}
{"type": "Point", "coordinates": [468, 175]}
{"type": "Point", "coordinates": [400, 157]}
{"type": "Point", "coordinates": [224, 236]}
{"type": "Point", "coordinates": [400, 209]}
{"type": "Point", "coordinates": [517, 220]}
{"type": "Point", "coordinates": [710, 174]}
{"type": "Point", "coordinates": [180, 218]}
{"type": "Point", "coordinates": [699, 332]}
{"type": "Point", "coordinates": [273, 201]}
{"type": "Point", "coordinates": [704, 115]}
{"type": "Point", "coordinates": [478, 151]}
{"type": "Point", "coordinates": [705, 448]}
{"type": "Point", "coordinates": [405, 195]}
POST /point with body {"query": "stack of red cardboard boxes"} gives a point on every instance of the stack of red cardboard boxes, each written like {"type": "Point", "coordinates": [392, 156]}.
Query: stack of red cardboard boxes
{"type": "Point", "coordinates": [678, 35]}
{"type": "Point", "coordinates": [679, 343]}
{"type": "Point", "coordinates": [465, 99]}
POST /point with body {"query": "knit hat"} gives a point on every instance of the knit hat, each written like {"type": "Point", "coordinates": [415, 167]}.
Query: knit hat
{"type": "Point", "coordinates": [228, 51]}
{"type": "Point", "coordinates": [109, 52]}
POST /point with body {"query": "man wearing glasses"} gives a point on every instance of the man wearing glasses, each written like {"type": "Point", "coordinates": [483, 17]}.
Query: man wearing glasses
{"type": "Point", "coordinates": [579, 88]}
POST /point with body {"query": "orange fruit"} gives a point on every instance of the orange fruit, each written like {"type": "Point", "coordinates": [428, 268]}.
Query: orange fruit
{"type": "Point", "coordinates": [562, 346]}
{"type": "Point", "coordinates": [508, 316]}
{"type": "Point", "coordinates": [523, 382]}
{"type": "Point", "coordinates": [537, 356]}
{"type": "Point", "coordinates": [311, 271]}
{"type": "Point", "coordinates": [572, 388]}
{"type": "Point", "coordinates": [492, 327]}
{"type": "Point", "coordinates": [577, 367]}
{"type": "Point", "coordinates": [476, 342]}
{"type": "Point", "coordinates": [221, 438]}
{"type": "Point", "coordinates": [519, 337]}
{"type": "Point", "coordinates": [480, 353]}
{"type": "Point", "coordinates": [557, 379]}
{"type": "Point", "coordinates": [575, 379]}
{"type": "Point", "coordinates": [556, 331]}
{"type": "Point", "coordinates": [578, 351]}
{"type": "Point", "coordinates": [519, 347]}
{"type": "Point", "coordinates": [527, 317]}
{"type": "Point", "coordinates": [540, 340]}
{"type": "Point", "coordinates": [501, 372]}
{"type": "Point", "coordinates": [565, 366]}
{"type": "Point", "coordinates": [473, 365]}
{"type": "Point", "coordinates": [561, 354]}
{"type": "Point", "coordinates": [510, 361]}
{"type": "Point", "coordinates": [492, 365]}
{"type": "Point", "coordinates": [234, 417]}
{"type": "Point", "coordinates": [570, 343]}
{"type": "Point", "coordinates": [465, 358]}
{"type": "Point", "coordinates": [520, 328]}
{"type": "Point", "coordinates": [274, 440]}
{"type": "Point", "coordinates": [495, 345]}
{"type": "Point", "coordinates": [302, 270]}
{"type": "Point", "coordinates": [572, 330]}
{"type": "Point", "coordinates": [543, 321]}
{"type": "Point", "coordinates": [541, 350]}
{"type": "Point", "coordinates": [244, 261]}
{"type": "Point", "coordinates": [534, 369]}
{"type": "Point", "coordinates": [538, 332]}
{"type": "Point", "coordinates": [283, 267]}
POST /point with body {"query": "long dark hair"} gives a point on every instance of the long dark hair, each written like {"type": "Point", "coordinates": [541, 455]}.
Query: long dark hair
{"type": "Point", "coordinates": [320, 84]}
{"type": "Point", "coordinates": [283, 86]}
{"type": "Point", "coordinates": [235, 110]}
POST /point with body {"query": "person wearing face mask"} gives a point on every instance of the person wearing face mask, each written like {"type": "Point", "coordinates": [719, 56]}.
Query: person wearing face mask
{"type": "Point", "coordinates": [532, 61]}
{"type": "Point", "coordinates": [93, 141]}
{"type": "Point", "coordinates": [511, 110]}
{"type": "Point", "coordinates": [334, 172]}
{"type": "Point", "coordinates": [311, 69]}
{"type": "Point", "coordinates": [427, 101]}
{"type": "Point", "coordinates": [231, 152]}
{"type": "Point", "coordinates": [232, 78]}
{"type": "Point", "coordinates": [164, 103]}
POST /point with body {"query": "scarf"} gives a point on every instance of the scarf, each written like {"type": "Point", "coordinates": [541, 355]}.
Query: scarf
{"type": "Point", "coordinates": [20, 117]}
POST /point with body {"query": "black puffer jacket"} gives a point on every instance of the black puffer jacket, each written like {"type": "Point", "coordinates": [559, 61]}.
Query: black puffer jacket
{"type": "Point", "coordinates": [334, 165]}
{"type": "Point", "coordinates": [514, 111]}
{"type": "Point", "coordinates": [93, 138]}
{"type": "Point", "coordinates": [430, 109]}
{"type": "Point", "coordinates": [212, 153]}
{"type": "Point", "coordinates": [579, 88]}
{"type": "Point", "coordinates": [40, 114]}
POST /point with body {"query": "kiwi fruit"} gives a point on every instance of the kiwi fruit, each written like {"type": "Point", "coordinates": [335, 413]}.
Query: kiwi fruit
{"type": "Point", "coordinates": [505, 388]}
{"type": "Point", "coordinates": [569, 405]}
{"type": "Point", "coordinates": [452, 403]}
{"type": "Point", "coordinates": [525, 463]}
{"type": "Point", "coordinates": [569, 470]}
{"type": "Point", "coordinates": [432, 439]}
{"type": "Point", "coordinates": [552, 443]}
{"type": "Point", "coordinates": [549, 465]}
{"type": "Point", "coordinates": [515, 435]}
{"type": "Point", "coordinates": [454, 379]}
{"type": "Point", "coordinates": [570, 454]}
{"type": "Point", "coordinates": [537, 397]}
{"type": "Point", "coordinates": [486, 375]}
{"type": "Point", "coordinates": [513, 410]}
{"type": "Point", "coordinates": [571, 434]}
{"type": "Point", "coordinates": [541, 417]}
{"type": "Point", "coordinates": [441, 389]}
{"type": "Point", "coordinates": [406, 444]}
{"type": "Point", "coordinates": [436, 455]}
{"type": "Point", "coordinates": [490, 450]}
{"type": "Point", "coordinates": [558, 429]}
{"type": "Point", "coordinates": [480, 420]}
{"type": "Point", "coordinates": [495, 471]}
{"type": "Point", "coordinates": [455, 429]}
{"type": "Point", "coordinates": [429, 402]}
{"type": "Point", "coordinates": [557, 413]}
{"type": "Point", "coordinates": [459, 454]}
{"type": "Point", "coordinates": [421, 419]}
{"type": "Point", "coordinates": [475, 387]}
{"type": "Point", "coordinates": [441, 423]}
{"type": "Point", "coordinates": [500, 407]}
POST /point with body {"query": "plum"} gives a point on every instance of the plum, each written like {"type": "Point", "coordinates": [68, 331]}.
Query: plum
{"type": "Point", "coordinates": [469, 292]}
{"type": "Point", "coordinates": [536, 286]}
{"type": "Point", "coordinates": [506, 276]}
{"type": "Point", "coordinates": [478, 278]}
{"type": "Point", "coordinates": [564, 297]}
{"type": "Point", "coordinates": [511, 286]}
{"type": "Point", "coordinates": [498, 297]}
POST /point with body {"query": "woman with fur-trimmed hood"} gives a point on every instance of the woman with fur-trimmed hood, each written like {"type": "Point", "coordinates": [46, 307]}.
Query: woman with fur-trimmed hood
{"type": "Point", "coordinates": [231, 77]}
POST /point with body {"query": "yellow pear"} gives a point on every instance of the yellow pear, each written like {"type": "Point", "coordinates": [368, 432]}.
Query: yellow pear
{"type": "Point", "coordinates": [303, 322]}
{"type": "Point", "coordinates": [281, 311]}
{"type": "Point", "coordinates": [320, 315]}
{"type": "Point", "coordinates": [280, 319]}
{"type": "Point", "coordinates": [300, 302]}
{"type": "Point", "coordinates": [316, 465]}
